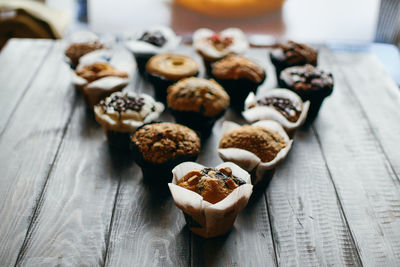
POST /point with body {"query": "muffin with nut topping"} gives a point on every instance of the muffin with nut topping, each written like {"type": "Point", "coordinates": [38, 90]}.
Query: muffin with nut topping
{"type": "Point", "coordinates": [159, 147]}
{"type": "Point", "coordinates": [210, 198]}
{"type": "Point", "coordinates": [238, 76]}
{"type": "Point", "coordinates": [164, 70]}
{"type": "Point", "coordinates": [121, 113]}
{"type": "Point", "coordinates": [197, 103]}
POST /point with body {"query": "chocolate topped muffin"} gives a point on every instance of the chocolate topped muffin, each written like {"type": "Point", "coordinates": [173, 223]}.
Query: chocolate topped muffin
{"type": "Point", "coordinates": [122, 113]}
{"type": "Point", "coordinates": [239, 76]}
{"type": "Point", "coordinates": [197, 103]}
{"type": "Point", "coordinates": [310, 83]}
{"type": "Point", "coordinates": [158, 147]}
{"type": "Point", "coordinates": [212, 184]}
{"type": "Point", "coordinates": [263, 142]}
{"type": "Point", "coordinates": [76, 50]}
{"type": "Point", "coordinates": [152, 41]}
{"type": "Point", "coordinates": [165, 69]}
{"type": "Point", "coordinates": [292, 54]}
{"type": "Point", "coordinates": [280, 105]}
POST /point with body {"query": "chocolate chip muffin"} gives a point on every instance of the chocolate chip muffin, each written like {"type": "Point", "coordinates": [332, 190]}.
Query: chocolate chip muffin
{"type": "Point", "coordinates": [121, 113]}
{"type": "Point", "coordinates": [292, 54]}
{"type": "Point", "coordinates": [280, 105]}
{"type": "Point", "coordinates": [159, 147]}
{"type": "Point", "coordinates": [76, 50]}
{"type": "Point", "coordinates": [165, 69]}
{"type": "Point", "coordinates": [239, 76]}
{"type": "Point", "coordinates": [197, 103]}
{"type": "Point", "coordinates": [310, 83]}
{"type": "Point", "coordinates": [212, 184]}
{"type": "Point", "coordinates": [152, 41]}
{"type": "Point", "coordinates": [98, 80]}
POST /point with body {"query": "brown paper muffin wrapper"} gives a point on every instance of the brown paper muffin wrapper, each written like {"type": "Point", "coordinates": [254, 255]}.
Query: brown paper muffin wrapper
{"type": "Point", "coordinates": [257, 113]}
{"type": "Point", "coordinates": [249, 161]}
{"type": "Point", "coordinates": [203, 218]}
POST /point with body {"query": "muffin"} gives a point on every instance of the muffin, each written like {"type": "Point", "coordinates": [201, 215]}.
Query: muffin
{"type": "Point", "coordinates": [82, 44]}
{"type": "Point", "coordinates": [257, 148]}
{"type": "Point", "coordinates": [213, 46]}
{"type": "Point", "coordinates": [159, 147]}
{"type": "Point", "coordinates": [238, 76]}
{"type": "Point", "coordinates": [197, 103]}
{"type": "Point", "coordinates": [292, 54]}
{"type": "Point", "coordinates": [155, 40]}
{"type": "Point", "coordinates": [280, 105]}
{"type": "Point", "coordinates": [120, 114]}
{"type": "Point", "coordinates": [311, 84]}
{"type": "Point", "coordinates": [98, 80]}
{"type": "Point", "coordinates": [210, 198]}
{"type": "Point", "coordinates": [165, 69]}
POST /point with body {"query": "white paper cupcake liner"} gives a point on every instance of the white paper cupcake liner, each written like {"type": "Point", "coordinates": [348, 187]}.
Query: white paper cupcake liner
{"type": "Point", "coordinates": [203, 218]}
{"type": "Point", "coordinates": [250, 161]}
{"type": "Point", "coordinates": [259, 113]}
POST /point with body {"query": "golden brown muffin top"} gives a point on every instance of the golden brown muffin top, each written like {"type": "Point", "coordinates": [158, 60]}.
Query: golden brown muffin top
{"type": "Point", "coordinates": [75, 51]}
{"type": "Point", "coordinates": [162, 142]}
{"type": "Point", "coordinates": [212, 184]}
{"type": "Point", "coordinates": [172, 66]}
{"type": "Point", "coordinates": [238, 67]}
{"type": "Point", "coordinates": [99, 70]}
{"type": "Point", "coordinates": [264, 143]}
{"type": "Point", "coordinates": [198, 95]}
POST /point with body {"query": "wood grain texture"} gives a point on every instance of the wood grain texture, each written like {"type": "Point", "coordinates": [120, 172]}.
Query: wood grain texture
{"type": "Point", "coordinates": [307, 223]}
{"type": "Point", "coordinates": [379, 98]}
{"type": "Point", "coordinates": [28, 148]}
{"type": "Point", "coordinates": [19, 67]}
{"type": "Point", "coordinates": [364, 180]}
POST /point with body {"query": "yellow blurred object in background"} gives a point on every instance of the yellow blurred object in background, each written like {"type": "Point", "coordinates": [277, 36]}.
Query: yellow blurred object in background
{"type": "Point", "coordinates": [231, 8]}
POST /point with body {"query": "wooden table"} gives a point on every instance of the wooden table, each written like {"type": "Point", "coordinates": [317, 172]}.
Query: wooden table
{"type": "Point", "coordinates": [67, 199]}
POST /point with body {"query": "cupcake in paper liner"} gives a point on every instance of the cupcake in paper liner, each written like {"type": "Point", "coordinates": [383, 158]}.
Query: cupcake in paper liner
{"type": "Point", "coordinates": [213, 46]}
{"type": "Point", "coordinates": [239, 76]}
{"type": "Point", "coordinates": [210, 198]}
{"type": "Point", "coordinates": [153, 41]}
{"type": "Point", "coordinates": [85, 47]}
{"type": "Point", "coordinates": [280, 105]}
{"type": "Point", "coordinates": [122, 113]}
{"type": "Point", "coordinates": [163, 70]}
{"type": "Point", "coordinates": [98, 80]}
{"type": "Point", "coordinates": [158, 147]}
{"type": "Point", "coordinates": [197, 103]}
{"type": "Point", "coordinates": [257, 148]}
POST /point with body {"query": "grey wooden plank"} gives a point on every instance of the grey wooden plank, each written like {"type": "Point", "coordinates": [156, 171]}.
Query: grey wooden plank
{"type": "Point", "coordinates": [379, 97]}
{"type": "Point", "coordinates": [306, 219]}
{"type": "Point", "coordinates": [365, 183]}
{"type": "Point", "coordinates": [19, 67]}
{"type": "Point", "coordinates": [71, 227]}
{"type": "Point", "coordinates": [29, 145]}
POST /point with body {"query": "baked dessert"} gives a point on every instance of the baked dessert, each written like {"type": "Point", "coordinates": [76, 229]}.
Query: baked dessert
{"type": "Point", "coordinates": [257, 148]}
{"type": "Point", "coordinates": [165, 69]}
{"type": "Point", "coordinates": [292, 54]}
{"type": "Point", "coordinates": [213, 46]}
{"type": "Point", "coordinates": [154, 40]}
{"type": "Point", "coordinates": [197, 103]}
{"type": "Point", "coordinates": [98, 80]}
{"type": "Point", "coordinates": [210, 198]}
{"type": "Point", "coordinates": [280, 105]}
{"type": "Point", "coordinates": [121, 113]}
{"type": "Point", "coordinates": [159, 147]}
{"type": "Point", "coordinates": [239, 76]}
{"type": "Point", "coordinates": [311, 84]}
